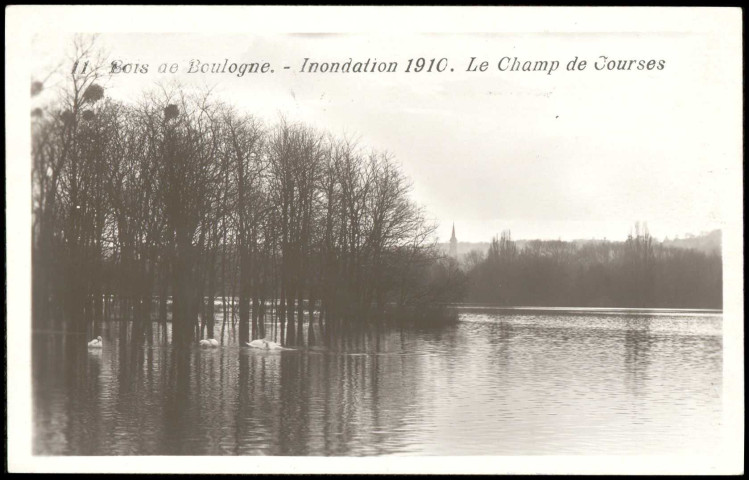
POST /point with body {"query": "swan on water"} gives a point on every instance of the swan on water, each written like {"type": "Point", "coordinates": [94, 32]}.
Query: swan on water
{"type": "Point", "coordinates": [256, 344]}
{"type": "Point", "coordinates": [265, 345]}
{"type": "Point", "coordinates": [95, 343]}
{"type": "Point", "coordinates": [210, 342]}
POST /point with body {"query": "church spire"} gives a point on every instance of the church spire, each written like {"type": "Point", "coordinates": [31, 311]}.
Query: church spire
{"type": "Point", "coordinates": [453, 244]}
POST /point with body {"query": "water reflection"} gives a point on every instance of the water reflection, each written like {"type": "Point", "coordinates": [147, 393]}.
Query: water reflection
{"type": "Point", "coordinates": [492, 384]}
{"type": "Point", "coordinates": [637, 340]}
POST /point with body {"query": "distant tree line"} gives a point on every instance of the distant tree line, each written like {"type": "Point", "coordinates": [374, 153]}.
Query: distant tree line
{"type": "Point", "coordinates": [638, 272]}
{"type": "Point", "coordinates": [163, 206]}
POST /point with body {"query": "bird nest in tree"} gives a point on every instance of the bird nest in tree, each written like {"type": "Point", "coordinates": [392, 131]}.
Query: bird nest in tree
{"type": "Point", "coordinates": [171, 111]}
{"type": "Point", "coordinates": [67, 116]}
{"type": "Point", "coordinates": [93, 93]}
{"type": "Point", "coordinates": [36, 88]}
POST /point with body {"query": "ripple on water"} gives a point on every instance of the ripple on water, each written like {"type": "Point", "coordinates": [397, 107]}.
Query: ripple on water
{"type": "Point", "coordinates": [497, 382]}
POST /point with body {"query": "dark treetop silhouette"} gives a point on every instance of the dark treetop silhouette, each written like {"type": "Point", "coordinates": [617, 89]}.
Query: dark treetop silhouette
{"type": "Point", "coordinates": [179, 199]}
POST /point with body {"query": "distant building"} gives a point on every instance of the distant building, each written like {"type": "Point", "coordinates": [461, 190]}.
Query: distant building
{"type": "Point", "coordinates": [453, 245]}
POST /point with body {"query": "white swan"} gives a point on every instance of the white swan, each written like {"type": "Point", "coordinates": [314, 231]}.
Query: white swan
{"type": "Point", "coordinates": [256, 344]}
{"type": "Point", "coordinates": [205, 343]}
{"type": "Point", "coordinates": [95, 343]}
{"type": "Point", "coordinates": [213, 342]}
{"type": "Point", "coordinates": [265, 345]}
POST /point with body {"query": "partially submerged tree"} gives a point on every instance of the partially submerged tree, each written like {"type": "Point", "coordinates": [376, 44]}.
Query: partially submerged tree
{"type": "Point", "coordinates": [179, 198]}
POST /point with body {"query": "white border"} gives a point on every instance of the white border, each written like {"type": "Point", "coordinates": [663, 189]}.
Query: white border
{"type": "Point", "coordinates": [23, 21]}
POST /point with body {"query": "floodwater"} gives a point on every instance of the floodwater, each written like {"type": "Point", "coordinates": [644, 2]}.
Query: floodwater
{"type": "Point", "coordinates": [499, 382]}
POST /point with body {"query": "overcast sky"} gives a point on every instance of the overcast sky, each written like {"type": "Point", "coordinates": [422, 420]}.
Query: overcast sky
{"type": "Point", "coordinates": [565, 155]}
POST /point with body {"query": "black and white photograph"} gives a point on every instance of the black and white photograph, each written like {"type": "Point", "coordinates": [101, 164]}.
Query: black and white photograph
{"type": "Point", "coordinates": [374, 240]}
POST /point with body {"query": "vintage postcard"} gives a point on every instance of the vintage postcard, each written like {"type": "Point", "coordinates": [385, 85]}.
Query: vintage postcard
{"type": "Point", "coordinates": [374, 240]}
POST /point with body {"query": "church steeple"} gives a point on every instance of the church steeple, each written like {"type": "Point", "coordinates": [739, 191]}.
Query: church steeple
{"type": "Point", "coordinates": [453, 244]}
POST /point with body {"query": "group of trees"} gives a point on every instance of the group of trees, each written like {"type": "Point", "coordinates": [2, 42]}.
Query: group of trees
{"type": "Point", "coordinates": [175, 201]}
{"type": "Point", "coordinates": [638, 272]}
{"type": "Point", "coordinates": [159, 208]}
